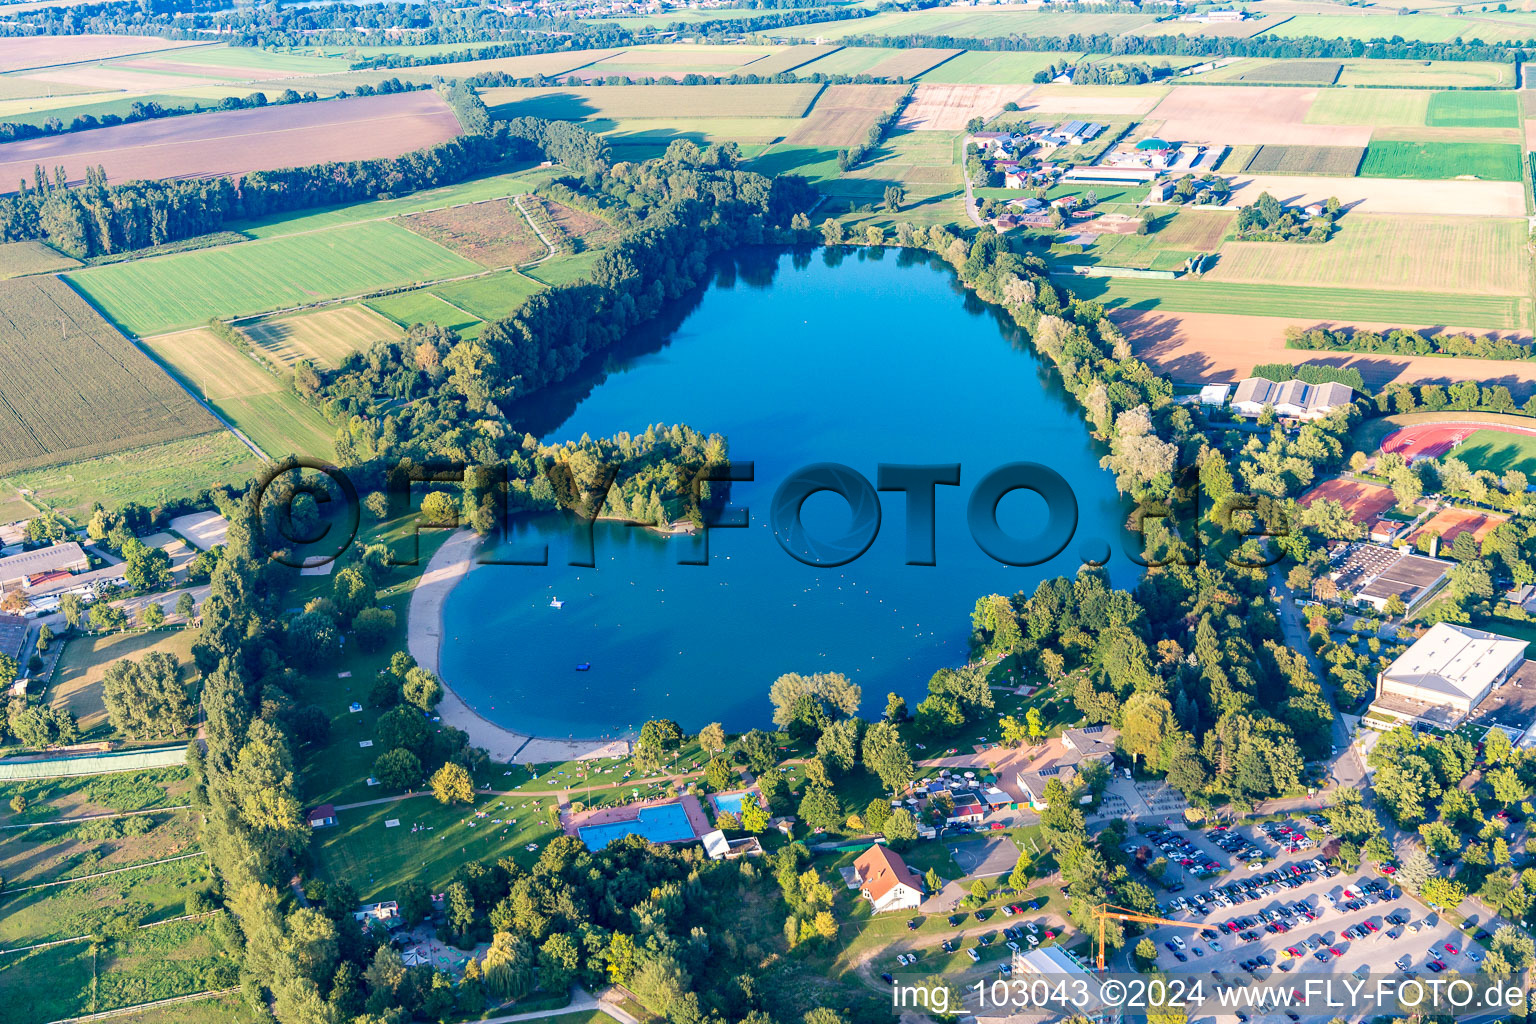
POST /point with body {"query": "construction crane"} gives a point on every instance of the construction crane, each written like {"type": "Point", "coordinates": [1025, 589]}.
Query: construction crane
{"type": "Point", "coordinates": [1109, 912]}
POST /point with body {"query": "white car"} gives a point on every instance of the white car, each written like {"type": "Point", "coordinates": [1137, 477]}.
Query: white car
{"type": "Point", "coordinates": [1178, 943]}
{"type": "Point", "coordinates": [975, 956]}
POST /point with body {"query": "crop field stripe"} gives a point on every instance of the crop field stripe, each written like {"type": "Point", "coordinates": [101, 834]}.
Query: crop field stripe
{"type": "Point", "coordinates": [1473, 110]}
{"type": "Point", "coordinates": [1489, 161]}
{"type": "Point", "coordinates": [1338, 161]}
{"type": "Point", "coordinates": [186, 289]}
{"type": "Point", "coordinates": [1296, 301]}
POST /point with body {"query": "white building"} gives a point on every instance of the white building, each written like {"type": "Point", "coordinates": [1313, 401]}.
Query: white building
{"type": "Point", "coordinates": [1447, 673]}
{"type": "Point", "coordinates": [1215, 394]}
{"type": "Point", "coordinates": [886, 881]}
{"type": "Point", "coordinates": [1295, 399]}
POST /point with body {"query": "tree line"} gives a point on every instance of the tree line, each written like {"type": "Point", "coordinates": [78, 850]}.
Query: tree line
{"type": "Point", "coordinates": [1402, 341]}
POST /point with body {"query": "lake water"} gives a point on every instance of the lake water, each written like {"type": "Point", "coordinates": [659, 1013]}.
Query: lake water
{"type": "Point", "coordinates": [855, 357]}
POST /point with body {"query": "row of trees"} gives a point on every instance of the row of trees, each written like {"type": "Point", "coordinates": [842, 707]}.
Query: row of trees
{"type": "Point", "coordinates": [1402, 341]}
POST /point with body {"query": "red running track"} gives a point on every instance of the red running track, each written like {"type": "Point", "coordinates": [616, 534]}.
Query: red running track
{"type": "Point", "coordinates": [1432, 440]}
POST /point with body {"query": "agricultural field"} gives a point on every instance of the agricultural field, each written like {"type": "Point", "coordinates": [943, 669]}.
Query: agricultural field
{"type": "Point", "coordinates": [1236, 115]}
{"type": "Point", "coordinates": [980, 67]}
{"type": "Point", "coordinates": [18, 259]}
{"type": "Point", "coordinates": [324, 338]}
{"type": "Point", "coordinates": [239, 141]}
{"type": "Point", "coordinates": [503, 185]}
{"type": "Point", "coordinates": [71, 387]}
{"type": "Point", "coordinates": [493, 233]}
{"type": "Point", "coordinates": [1428, 74]}
{"type": "Point", "coordinates": [149, 476]}
{"type": "Point", "coordinates": [52, 852]}
{"type": "Point", "coordinates": [1324, 160]}
{"type": "Point", "coordinates": [560, 270]}
{"type": "Point", "coordinates": [1388, 195]}
{"type": "Point", "coordinates": [1486, 161]}
{"type": "Point", "coordinates": [925, 164]}
{"type": "Point", "coordinates": [789, 58]}
{"type": "Point", "coordinates": [463, 306]}
{"type": "Point", "coordinates": [1371, 107]}
{"type": "Point", "coordinates": [423, 307]}
{"type": "Point", "coordinates": [24, 53]}
{"type": "Point", "coordinates": [13, 507]}
{"type": "Point", "coordinates": [844, 114]}
{"type": "Point", "coordinates": [1498, 451]}
{"type": "Point", "coordinates": [963, 23]}
{"type": "Point", "coordinates": [1305, 303]}
{"type": "Point", "coordinates": [669, 101]}
{"type": "Point", "coordinates": [1473, 110]}
{"type": "Point", "coordinates": [157, 892]}
{"type": "Point", "coordinates": [1278, 72]}
{"type": "Point", "coordinates": [150, 964]}
{"type": "Point", "coordinates": [1482, 256]}
{"type": "Point", "coordinates": [76, 683]}
{"type": "Point", "coordinates": [244, 392]}
{"type": "Point", "coordinates": [1429, 28]}
{"type": "Point", "coordinates": [1194, 230]}
{"type": "Point", "coordinates": [1139, 252]}
{"type": "Point", "coordinates": [185, 289]}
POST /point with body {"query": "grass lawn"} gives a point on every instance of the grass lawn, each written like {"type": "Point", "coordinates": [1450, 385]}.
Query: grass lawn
{"type": "Point", "coordinates": [245, 393]}
{"type": "Point", "coordinates": [13, 507]}
{"type": "Point", "coordinates": [1483, 311]}
{"type": "Point", "coordinates": [1488, 161]}
{"type": "Point", "coordinates": [76, 683]}
{"type": "Point", "coordinates": [154, 893]}
{"type": "Point", "coordinates": [150, 476]}
{"type": "Point", "coordinates": [492, 296]}
{"type": "Point", "coordinates": [229, 1006]}
{"type": "Point", "coordinates": [165, 293]}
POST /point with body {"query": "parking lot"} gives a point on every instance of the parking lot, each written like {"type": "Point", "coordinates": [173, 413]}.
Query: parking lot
{"type": "Point", "coordinates": [1357, 920]}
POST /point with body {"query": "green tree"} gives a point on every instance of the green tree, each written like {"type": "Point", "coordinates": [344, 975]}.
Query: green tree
{"type": "Point", "coordinates": [900, 829]}
{"type": "Point", "coordinates": [397, 769]}
{"type": "Point", "coordinates": [451, 784]}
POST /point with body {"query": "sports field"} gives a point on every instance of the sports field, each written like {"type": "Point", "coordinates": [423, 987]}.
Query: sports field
{"type": "Point", "coordinates": [1488, 161]}
{"type": "Point", "coordinates": [1325, 160]}
{"type": "Point", "coordinates": [169, 292]}
{"type": "Point", "coordinates": [573, 104]}
{"type": "Point", "coordinates": [1364, 501]}
{"type": "Point", "coordinates": [324, 338]}
{"type": "Point", "coordinates": [72, 387]}
{"type": "Point", "coordinates": [1498, 451]}
{"type": "Point", "coordinates": [1483, 256]}
{"type": "Point", "coordinates": [259, 404]}
{"type": "Point", "coordinates": [1449, 523]}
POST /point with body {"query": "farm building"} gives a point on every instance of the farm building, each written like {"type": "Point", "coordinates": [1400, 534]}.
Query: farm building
{"type": "Point", "coordinates": [1447, 673]}
{"type": "Point", "coordinates": [886, 881]}
{"type": "Point", "coordinates": [1215, 394]}
{"type": "Point", "coordinates": [18, 571]}
{"type": "Point", "coordinates": [1294, 399]}
{"type": "Point", "coordinates": [1374, 574]}
{"type": "Point", "coordinates": [1063, 755]}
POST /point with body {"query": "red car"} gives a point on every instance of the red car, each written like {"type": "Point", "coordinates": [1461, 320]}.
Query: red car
{"type": "Point", "coordinates": [1451, 949]}
{"type": "Point", "coordinates": [1388, 869]}
{"type": "Point", "coordinates": [1372, 927]}
{"type": "Point", "coordinates": [1335, 950]}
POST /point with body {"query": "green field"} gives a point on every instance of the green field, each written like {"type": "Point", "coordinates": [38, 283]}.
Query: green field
{"type": "Point", "coordinates": [170, 292]}
{"type": "Point", "coordinates": [564, 269]}
{"type": "Point", "coordinates": [1371, 107]}
{"type": "Point", "coordinates": [18, 259]}
{"type": "Point", "coordinates": [1473, 110]}
{"type": "Point", "coordinates": [156, 893]}
{"type": "Point", "coordinates": [151, 964]}
{"type": "Point", "coordinates": [1298, 301]}
{"type": "Point", "coordinates": [1429, 28]}
{"type": "Point", "coordinates": [1498, 452]}
{"type": "Point", "coordinates": [1340, 161]}
{"type": "Point", "coordinates": [462, 306]}
{"type": "Point", "coordinates": [246, 394]}
{"type": "Point", "coordinates": [149, 476]}
{"type": "Point", "coordinates": [1487, 161]}
{"type": "Point", "coordinates": [1462, 73]}
{"type": "Point", "coordinates": [249, 58]}
{"type": "Point", "coordinates": [979, 67]}
{"type": "Point", "coordinates": [977, 24]}
{"type": "Point", "coordinates": [1277, 72]}
{"type": "Point", "coordinates": [493, 186]}
{"type": "Point", "coordinates": [423, 307]}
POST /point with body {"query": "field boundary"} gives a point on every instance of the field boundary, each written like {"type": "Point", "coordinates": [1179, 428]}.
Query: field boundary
{"type": "Point", "coordinates": [122, 1011]}
{"type": "Point", "coordinates": [100, 874]}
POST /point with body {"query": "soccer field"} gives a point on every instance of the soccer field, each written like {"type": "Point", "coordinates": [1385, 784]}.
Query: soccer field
{"type": "Point", "coordinates": [1498, 452]}
{"type": "Point", "coordinates": [152, 296]}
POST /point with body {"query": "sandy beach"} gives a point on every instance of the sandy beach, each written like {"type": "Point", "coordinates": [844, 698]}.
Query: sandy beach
{"type": "Point", "coordinates": [426, 637]}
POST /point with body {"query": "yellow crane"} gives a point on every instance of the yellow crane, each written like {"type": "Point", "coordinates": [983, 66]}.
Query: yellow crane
{"type": "Point", "coordinates": [1109, 912]}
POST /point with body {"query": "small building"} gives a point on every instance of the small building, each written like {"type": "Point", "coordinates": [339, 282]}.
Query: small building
{"type": "Point", "coordinates": [323, 816]}
{"type": "Point", "coordinates": [1450, 667]}
{"type": "Point", "coordinates": [1374, 574]}
{"type": "Point", "coordinates": [886, 881]}
{"type": "Point", "coordinates": [720, 848]}
{"type": "Point", "coordinates": [1215, 394]}
{"type": "Point", "coordinates": [968, 809]}
{"type": "Point", "coordinates": [1314, 209]}
{"type": "Point", "coordinates": [1294, 399]}
{"type": "Point", "coordinates": [13, 637]}
{"type": "Point", "coordinates": [386, 913]}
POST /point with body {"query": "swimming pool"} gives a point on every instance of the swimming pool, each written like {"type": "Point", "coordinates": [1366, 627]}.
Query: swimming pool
{"type": "Point", "coordinates": [664, 823]}
{"type": "Point", "coordinates": [731, 802]}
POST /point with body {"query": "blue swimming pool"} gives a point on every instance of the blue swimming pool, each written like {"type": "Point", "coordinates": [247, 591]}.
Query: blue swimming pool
{"type": "Point", "coordinates": [664, 823]}
{"type": "Point", "coordinates": [731, 802]}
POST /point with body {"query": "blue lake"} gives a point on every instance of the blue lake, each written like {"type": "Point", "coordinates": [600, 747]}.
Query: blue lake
{"type": "Point", "coordinates": [856, 357]}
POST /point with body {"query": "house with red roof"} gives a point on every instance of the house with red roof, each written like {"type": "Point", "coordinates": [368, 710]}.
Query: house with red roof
{"type": "Point", "coordinates": [886, 881]}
